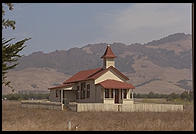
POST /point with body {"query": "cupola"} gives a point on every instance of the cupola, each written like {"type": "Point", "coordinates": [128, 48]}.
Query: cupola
{"type": "Point", "coordinates": [108, 58]}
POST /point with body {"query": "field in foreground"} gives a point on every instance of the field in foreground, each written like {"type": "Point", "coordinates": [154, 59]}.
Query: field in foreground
{"type": "Point", "coordinates": [14, 117]}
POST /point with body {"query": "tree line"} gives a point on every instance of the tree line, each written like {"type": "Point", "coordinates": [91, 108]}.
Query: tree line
{"type": "Point", "coordinates": [184, 96]}
{"type": "Point", "coordinates": [17, 96]}
{"type": "Point", "coordinates": [187, 96]}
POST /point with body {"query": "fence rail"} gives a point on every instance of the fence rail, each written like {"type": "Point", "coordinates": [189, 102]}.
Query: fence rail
{"type": "Point", "coordinates": [141, 107]}
{"type": "Point", "coordinates": [98, 107]}
{"type": "Point", "coordinates": [41, 104]}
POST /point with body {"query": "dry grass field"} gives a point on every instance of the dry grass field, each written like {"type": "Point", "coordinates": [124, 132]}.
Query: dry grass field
{"type": "Point", "coordinates": [16, 118]}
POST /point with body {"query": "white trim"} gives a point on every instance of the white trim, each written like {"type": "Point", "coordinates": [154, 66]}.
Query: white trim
{"type": "Point", "coordinates": [116, 74]}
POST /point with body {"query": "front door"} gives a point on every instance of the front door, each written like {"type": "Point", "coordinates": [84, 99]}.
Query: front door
{"type": "Point", "coordinates": [116, 96]}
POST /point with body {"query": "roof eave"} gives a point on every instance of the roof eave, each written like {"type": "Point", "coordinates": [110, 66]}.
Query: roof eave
{"type": "Point", "coordinates": [113, 88]}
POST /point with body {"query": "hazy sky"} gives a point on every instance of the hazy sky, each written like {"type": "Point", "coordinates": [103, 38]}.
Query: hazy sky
{"type": "Point", "coordinates": [65, 25]}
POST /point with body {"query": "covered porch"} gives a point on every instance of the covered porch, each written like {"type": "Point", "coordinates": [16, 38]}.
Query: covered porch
{"type": "Point", "coordinates": [117, 92]}
{"type": "Point", "coordinates": [62, 93]}
{"type": "Point", "coordinates": [118, 96]}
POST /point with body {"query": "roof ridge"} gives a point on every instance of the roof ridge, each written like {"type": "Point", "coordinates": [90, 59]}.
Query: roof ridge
{"type": "Point", "coordinates": [82, 75]}
{"type": "Point", "coordinates": [101, 69]}
{"type": "Point", "coordinates": [119, 72]}
{"type": "Point", "coordinates": [89, 69]}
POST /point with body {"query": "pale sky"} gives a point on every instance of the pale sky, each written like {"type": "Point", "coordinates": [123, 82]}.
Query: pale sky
{"type": "Point", "coordinates": [62, 26]}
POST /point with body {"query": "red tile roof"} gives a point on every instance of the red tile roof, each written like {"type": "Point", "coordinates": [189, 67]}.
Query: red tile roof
{"type": "Point", "coordinates": [60, 86]}
{"type": "Point", "coordinates": [115, 84]}
{"type": "Point", "coordinates": [108, 53]}
{"type": "Point", "coordinates": [82, 75]}
{"type": "Point", "coordinates": [92, 74]}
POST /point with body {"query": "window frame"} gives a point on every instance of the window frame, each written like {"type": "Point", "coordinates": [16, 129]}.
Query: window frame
{"type": "Point", "coordinates": [88, 91]}
{"type": "Point", "coordinates": [56, 93]}
{"type": "Point", "coordinates": [82, 95]}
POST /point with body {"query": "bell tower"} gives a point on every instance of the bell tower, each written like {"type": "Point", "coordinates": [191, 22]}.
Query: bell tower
{"type": "Point", "coordinates": [108, 58]}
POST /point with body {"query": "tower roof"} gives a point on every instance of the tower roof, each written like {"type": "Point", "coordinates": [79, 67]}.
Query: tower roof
{"type": "Point", "coordinates": [108, 53]}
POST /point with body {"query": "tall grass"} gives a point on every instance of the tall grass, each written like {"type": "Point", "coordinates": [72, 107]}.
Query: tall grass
{"type": "Point", "coordinates": [16, 118]}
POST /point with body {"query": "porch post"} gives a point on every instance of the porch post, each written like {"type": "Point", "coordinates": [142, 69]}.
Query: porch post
{"type": "Point", "coordinates": [132, 94]}
{"type": "Point", "coordinates": [128, 94]}
{"type": "Point", "coordinates": [122, 94]}
{"type": "Point", "coordinates": [61, 98]}
{"type": "Point", "coordinates": [103, 93]}
{"type": "Point", "coordinates": [114, 95]}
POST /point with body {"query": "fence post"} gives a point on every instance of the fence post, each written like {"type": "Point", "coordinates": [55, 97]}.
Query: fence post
{"type": "Point", "coordinates": [69, 125]}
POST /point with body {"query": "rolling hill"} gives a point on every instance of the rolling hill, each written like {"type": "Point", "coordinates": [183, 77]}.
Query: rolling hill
{"type": "Point", "coordinates": [162, 66]}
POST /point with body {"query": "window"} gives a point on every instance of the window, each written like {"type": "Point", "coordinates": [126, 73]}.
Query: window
{"type": "Point", "coordinates": [125, 93]}
{"type": "Point", "coordinates": [82, 95]}
{"type": "Point", "coordinates": [77, 92]}
{"type": "Point", "coordinates": [112, 95]}
{"type": "Point", "coordinates": [81, 91]}
{"type": "Point", "coordinates": [88, 86]}
{"type": "Point", "coordinates": [106, 93]}
{"type": "Point", "coordinates": [56, 93]}
{"type": "Point", "coordinates": [83, 84]}
{"type": "Point", "coordinates": [88, 90]}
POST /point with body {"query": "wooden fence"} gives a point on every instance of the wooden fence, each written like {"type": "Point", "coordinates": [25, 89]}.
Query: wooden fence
{"type": "Point", "coordinates": [98, 107]}
{"type": "Point", "coordinates": [147, 107]}
{"type": "Point", "coordinates": [142, 107]}
{"type": "Point", "coordinates": [41, 104]}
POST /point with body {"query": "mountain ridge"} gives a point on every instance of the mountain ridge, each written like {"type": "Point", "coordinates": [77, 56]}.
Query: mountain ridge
{"type": "Point", "coordinates": [141, 62]}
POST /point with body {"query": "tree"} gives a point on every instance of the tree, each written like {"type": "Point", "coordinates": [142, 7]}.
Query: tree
{"type": "Point", "coordinates": [10, 51]}
{"type": "Point", "coordinates": [186, 96]}
{"type": "Point", "coordinates": [151, 95]}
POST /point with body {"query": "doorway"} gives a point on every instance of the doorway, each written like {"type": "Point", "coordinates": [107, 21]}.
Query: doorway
{"type": "Point", "coordinates": [116, 100]}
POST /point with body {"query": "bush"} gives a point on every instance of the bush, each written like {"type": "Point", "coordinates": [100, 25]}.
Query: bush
{"type": "Point", "coordinates": [187, 96]}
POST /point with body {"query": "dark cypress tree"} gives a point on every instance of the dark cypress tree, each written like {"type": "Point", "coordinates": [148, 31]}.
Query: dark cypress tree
{"type": "Point", "coordinates": [10, 51]}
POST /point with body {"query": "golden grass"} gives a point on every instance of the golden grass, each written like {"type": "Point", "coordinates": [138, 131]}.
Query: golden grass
{"type": "Point", "coordinates": [163, 101]}
{"type": "Point", "coordinates": [16, 118]}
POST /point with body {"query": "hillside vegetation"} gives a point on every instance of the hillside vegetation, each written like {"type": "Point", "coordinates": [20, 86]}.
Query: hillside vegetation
{"type": "Point", "coordinates": [160, 66]}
